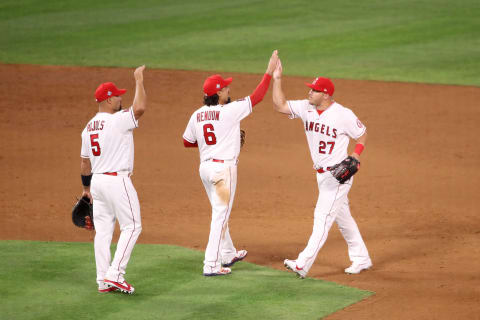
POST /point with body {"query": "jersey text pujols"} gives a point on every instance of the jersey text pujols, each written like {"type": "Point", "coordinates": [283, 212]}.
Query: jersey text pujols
{"type": "Point", "coordinates": [95, 125]}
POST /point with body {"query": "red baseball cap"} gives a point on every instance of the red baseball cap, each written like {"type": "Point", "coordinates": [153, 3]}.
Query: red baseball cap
{"type": "Point", "coordinates": [106, 90]}
{"type": "Point", "coordinates": [323, 85]}
{"type": "Point", "coordinates": [215, 83]}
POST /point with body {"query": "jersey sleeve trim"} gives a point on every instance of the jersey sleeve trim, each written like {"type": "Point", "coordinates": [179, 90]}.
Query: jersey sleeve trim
{"type": "Point", "coordinates": [187, 144]}
{"type": "Point", "coordinates": [85, 157]}
{"type": "Point", "coordinates": [292, 115]}
{"type": "Point", "coordinates": [250, 104]}
{"type": "Point", "coordinates": [363, 132]}
{"type": "Point", "coordinates": [135, 122]}
{"type": "Point", "coordinates": [189, 140]}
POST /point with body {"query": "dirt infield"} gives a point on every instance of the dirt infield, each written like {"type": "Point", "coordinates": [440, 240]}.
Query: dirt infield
{"type": "Point", "coordinates": [414, 198]}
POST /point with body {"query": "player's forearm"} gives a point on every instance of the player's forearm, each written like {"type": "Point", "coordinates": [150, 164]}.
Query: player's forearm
{"type": "Point", "coordinates": [260, 90]}
{"type": "Point", "coordinates": [140, 100]}
{"type": "Point", "coordinates": [360, 146]}
{"type": "Point", "coordinates": [85, 167]}
{"type": "Point", "coordinates": [279, 100]}
{"type": "Point", "coordinates": [363, 139]}
{"type": "Point", "coordinates": [86, 171]}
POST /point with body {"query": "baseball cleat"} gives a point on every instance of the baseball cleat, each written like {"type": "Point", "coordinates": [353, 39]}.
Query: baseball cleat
{"type": "Point", "coordinates": [220, 272]}
{"type": "Point", "coordinates": [103, 288]}
{"type": "Point", "coordinates": [356, 268]}
{"type": "Point", "coordinates": [238, 257]}
{"type": "Point", "coordinates": [124, 286]}
{"type": "Point", "coordinates": [292, 265]}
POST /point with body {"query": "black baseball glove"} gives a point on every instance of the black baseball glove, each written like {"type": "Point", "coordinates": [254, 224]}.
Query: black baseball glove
{"type": "Point", "coordinates": [344, 170]}
{"type": "Point", "coordinates": [82, 214]}
{"type": "Point", "coordinates": [242, 138]}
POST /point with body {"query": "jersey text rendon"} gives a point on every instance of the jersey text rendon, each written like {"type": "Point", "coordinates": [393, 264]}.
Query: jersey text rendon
{"type": "Point", "coordinates": [208, 115]}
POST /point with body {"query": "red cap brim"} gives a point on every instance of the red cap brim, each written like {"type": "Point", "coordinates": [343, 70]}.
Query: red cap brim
{"type": "Point", "coordinates": [310, 85]}
{"type": "Point", "coordinates": [120, 92]}
{"type": "Point", "coordinates": [228, 81]}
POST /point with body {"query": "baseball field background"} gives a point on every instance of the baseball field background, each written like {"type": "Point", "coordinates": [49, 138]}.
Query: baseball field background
{"type": "Point", "coordinates": [409, 69]}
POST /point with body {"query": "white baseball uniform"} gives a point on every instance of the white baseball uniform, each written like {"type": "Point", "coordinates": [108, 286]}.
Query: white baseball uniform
{"type": "Point", "coordinates": [216, 129]}
{"type": "Point", "coordinates": [328, 135]}
{"type": "Point", "coordinates": [107, 141]}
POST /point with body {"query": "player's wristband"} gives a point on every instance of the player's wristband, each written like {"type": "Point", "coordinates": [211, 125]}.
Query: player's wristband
{"type": "Point", "coordinates": [359, 148]}
{"type": "Point", "coordinates": [86, 180]}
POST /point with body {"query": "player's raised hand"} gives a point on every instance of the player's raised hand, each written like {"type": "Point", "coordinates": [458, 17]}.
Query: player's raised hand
{"type": "Point", "coordinates": [140, 100]}
{"type": "Point", "coordinates": [272, 63]}
{"type": "Point", "coordinates": [138, 74]}
{"type": "Point", "coordinates": [277, 74]}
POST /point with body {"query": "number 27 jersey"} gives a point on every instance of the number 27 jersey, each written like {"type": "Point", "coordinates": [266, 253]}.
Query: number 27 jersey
{"type": "Point", "coordinates": [328, 133]}
{"type": "Point", "coordinates": [216, 129]}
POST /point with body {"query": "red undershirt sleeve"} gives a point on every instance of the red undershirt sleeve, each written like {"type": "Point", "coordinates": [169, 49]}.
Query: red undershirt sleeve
{"type": "Point", "coordinates": [189, 144]}
{"type": "Point", "coordinates": [260, 90]}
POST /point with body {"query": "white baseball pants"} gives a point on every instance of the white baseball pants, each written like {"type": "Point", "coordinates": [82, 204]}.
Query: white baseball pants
{"type": "Point", "coordinates": [332, 205]}
{"type": "Point", "coordinates": [220, 182]}
{"type": "Point", "coordinates": [114, 198]}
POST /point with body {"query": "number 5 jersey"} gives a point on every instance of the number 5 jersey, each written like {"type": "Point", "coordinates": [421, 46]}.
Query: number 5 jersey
{"type": "Point", "coordinates": [108, 141]}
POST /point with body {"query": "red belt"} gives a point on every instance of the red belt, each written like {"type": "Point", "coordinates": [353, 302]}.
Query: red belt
{"type": "Point", "coordinates": [216, 160]}
{"type": "Point", "coordinates": [321, 170]}
{"type": "Point", "coordinates": [111, 173]}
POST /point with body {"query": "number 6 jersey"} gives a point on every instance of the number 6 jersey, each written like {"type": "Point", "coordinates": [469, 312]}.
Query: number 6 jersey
{"type": "Point", "coordinates": [328, 132]}
{"type": "Point", "coordinates": [216, 129]}
{"type": "Point", "coordinates": [108, 141]}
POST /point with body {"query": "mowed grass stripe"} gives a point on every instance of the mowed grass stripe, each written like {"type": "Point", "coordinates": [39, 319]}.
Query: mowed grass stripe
{"type": "Point", "coordinates": [432, 41]}
{"type": "Point", "coordinates": [55, 280]}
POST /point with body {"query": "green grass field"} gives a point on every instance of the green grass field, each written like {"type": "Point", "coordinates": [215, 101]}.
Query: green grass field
{"type": "Point", "coordinates": [435, 41]}
{"type": "Point", "coordinates": [54, 280]}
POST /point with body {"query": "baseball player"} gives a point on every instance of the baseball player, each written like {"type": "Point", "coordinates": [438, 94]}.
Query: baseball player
{"type": "Point", "coordinates": [106, 166]}
{"type": "Point", "coordinates": [215, 129]}
{"type": "Point", "coordinates": [329, 127]}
